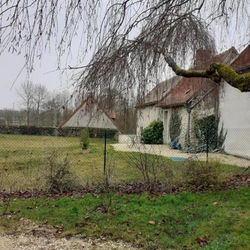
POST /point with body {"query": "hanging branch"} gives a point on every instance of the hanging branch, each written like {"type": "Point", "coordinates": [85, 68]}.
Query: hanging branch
{"type": "Point", "coordinates": [216, 72]}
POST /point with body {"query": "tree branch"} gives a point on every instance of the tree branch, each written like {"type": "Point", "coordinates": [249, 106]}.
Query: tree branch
{"type": "Point", "coordinates": [216, 72]}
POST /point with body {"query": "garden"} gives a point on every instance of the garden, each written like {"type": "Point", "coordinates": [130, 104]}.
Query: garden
{"type": "Point", "coordinates": [145, 200]}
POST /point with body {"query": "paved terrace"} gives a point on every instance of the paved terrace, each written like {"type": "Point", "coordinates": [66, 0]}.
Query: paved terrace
{"type": "Point", "coordinates": [164, 150]}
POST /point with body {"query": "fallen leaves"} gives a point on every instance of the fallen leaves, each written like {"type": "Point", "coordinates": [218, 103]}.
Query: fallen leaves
{"type": "Point", "coordinates": [202, 242]}
{"type": "Point", "coordinates": [235, 181]}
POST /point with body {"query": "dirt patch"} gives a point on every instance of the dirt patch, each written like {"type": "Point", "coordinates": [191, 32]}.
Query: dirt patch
{"type": "Point", "coordinates": [30, 236]}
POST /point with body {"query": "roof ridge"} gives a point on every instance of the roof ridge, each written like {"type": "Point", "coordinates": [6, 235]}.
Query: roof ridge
{"type": "Point", "coordinates": [90, 97]}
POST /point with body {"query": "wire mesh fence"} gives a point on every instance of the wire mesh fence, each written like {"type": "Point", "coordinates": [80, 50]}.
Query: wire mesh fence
{"type": "Point", "coordinates": [56, 162]}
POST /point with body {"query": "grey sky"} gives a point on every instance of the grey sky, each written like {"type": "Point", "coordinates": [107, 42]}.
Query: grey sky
{"type": "Point", "coordinates": [44, 73]}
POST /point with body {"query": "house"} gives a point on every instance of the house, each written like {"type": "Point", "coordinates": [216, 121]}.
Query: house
{"type": "Point", "coordinates": [234, 110]}
{"type": "Point", "coordinates": [89, 114]}
{"type": "Point", "coordinates": [194, 99]}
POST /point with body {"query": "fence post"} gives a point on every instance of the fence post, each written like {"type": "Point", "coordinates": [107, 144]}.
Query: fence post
{"type": "Point", "coordinates": [105, 152]}
{"type": "Point", "coordinates": [207, 146]}
{"type": "Point", "coordinates": [188, 130]}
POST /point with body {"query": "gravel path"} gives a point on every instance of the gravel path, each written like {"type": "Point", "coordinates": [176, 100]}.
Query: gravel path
{"type": "Point", "coordinates": [29, 242]}
{"type": "Point", "coordinates": [30, 236]}
{"type": "Point", "coordinates": [164, 150]}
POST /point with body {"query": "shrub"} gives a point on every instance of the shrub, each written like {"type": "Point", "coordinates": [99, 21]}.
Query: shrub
{"type": "Point", "coordinates": [59, 178]}
{"type": "Point", "coordinates": [153, 168]}
{"type": "Point", "coordinates": [201, 175]}
{"type": "Point", "coordinates": [153, 134]}
{"type": "Point", "coordinates": [84, 139]}
{"type": "Point", "coordinates": [175, 126]}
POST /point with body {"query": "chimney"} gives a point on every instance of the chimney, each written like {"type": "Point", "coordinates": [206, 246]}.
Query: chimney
{"type": "Point", "coordinates": [203, 59]}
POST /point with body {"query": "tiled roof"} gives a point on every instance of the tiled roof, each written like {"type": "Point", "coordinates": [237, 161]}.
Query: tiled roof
{"type": "Point", "coordinates": [226, 56]}
{"type": "Point", "coordinates": [189, 87]}
{"type": "Point", "coordinates": [243, 60]}
{"type": "Point", "coordinates": [184, 91]}
{"type": "Point", "coordinates": [159, 91]}
{"type": "Point", "coordinates": [90, 100]}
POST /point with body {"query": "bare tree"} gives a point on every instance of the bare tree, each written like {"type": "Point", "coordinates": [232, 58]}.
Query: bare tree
{"type": "Point", "coordinates": [132, 40]}
{"type": "Point", "coordinates": [39, 94]}
{"type": "Point", "coordinates": [27, 96]}
{"type": "Point", "coordinates": [56, 108]}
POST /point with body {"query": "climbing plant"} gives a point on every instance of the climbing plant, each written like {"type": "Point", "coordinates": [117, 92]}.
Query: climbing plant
{"type": "Point", "coordinates": [175, 125]}
{"type": "Point", "coordinates": [207, 133]}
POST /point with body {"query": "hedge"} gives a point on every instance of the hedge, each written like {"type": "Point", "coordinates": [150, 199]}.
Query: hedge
{"type": "Point", "coordinates": [52, 131]}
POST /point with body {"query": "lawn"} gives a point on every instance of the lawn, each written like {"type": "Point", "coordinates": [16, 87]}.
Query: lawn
{"type": "Point", "coordinates": [216, 220]}
{"type": "Point", "coordinates": [24, 161]}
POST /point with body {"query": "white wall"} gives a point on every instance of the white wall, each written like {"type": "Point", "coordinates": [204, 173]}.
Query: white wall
{"type": "Point", "coordinates": [151, 113]}
{"type": "Point", "coordinates": [234, 110]}
{"type": "Point", "coordinates": [146, 115]}
{"type": "Point", "coordinates": [184, 120]}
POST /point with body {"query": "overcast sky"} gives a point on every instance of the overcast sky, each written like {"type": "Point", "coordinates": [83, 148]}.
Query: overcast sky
{"type": "Point", "coordinates": [10, 67]}
{"type": "Point", "coordinates": [45, 70]}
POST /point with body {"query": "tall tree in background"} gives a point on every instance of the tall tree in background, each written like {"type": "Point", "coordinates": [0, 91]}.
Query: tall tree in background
{"type": "Point", "coordinates": [43, 108]}
{"type": "Point", "coordinates": [26, 93]}
{"type": "Point", "coordinates": [132, 41]}
{"type": "Point", "coordinates": [56, 108]}
{"type": "Point", "coordinates": [40, 94]}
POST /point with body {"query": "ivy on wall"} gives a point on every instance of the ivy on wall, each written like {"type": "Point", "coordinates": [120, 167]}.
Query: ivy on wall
{"type": "Point", "coordinates": [207, 133]}
{"type": "Point", "coordinates": [175, 125]}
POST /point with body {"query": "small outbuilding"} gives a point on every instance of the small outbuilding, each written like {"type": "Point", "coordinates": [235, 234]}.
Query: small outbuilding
{"type": "Point", "coordinates": [89, 114]}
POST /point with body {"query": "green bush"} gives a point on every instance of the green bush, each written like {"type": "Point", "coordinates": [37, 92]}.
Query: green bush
{"type": "Point", "coordinates": [84, 138]}
{"type": "Point", "coordinates": [153, 134]}
{"type": "Point", "coordinates": [175, 125]}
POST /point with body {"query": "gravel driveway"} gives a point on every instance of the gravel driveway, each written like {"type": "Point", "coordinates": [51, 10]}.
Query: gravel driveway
{"type": "Point", "coordinates": [30, 236]}
{"type": "Point", "coordinates": [164, 150]}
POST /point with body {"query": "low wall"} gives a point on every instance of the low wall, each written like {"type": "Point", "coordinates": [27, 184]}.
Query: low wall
{"type": "Point", "coordinates": [127, 139]}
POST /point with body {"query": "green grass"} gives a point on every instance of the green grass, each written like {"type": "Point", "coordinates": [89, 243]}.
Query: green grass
{"type": "Point", "coordinates": [223, 217]}
{"type": "Point", "coordinates": [24, 161]}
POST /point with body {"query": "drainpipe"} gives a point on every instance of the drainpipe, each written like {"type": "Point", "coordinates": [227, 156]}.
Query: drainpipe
{"type": "Point", "coordinates": [188, 129]}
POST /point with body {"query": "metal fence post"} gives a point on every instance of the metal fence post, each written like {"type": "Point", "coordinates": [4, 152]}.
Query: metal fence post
{"type": "Point", "coordinates": [105, 151]}
{"type": "Point", "coordinates": [207, 145]}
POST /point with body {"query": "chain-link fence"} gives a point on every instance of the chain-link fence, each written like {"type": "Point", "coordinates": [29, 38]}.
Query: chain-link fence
{"type": "Point", "coordinates": [56, 161]}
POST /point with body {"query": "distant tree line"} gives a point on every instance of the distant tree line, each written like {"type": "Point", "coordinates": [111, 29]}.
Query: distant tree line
{"type": "Point", "coordinates": [43, 108]}
{"type": "Point", "coordinates": [40, 107]}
